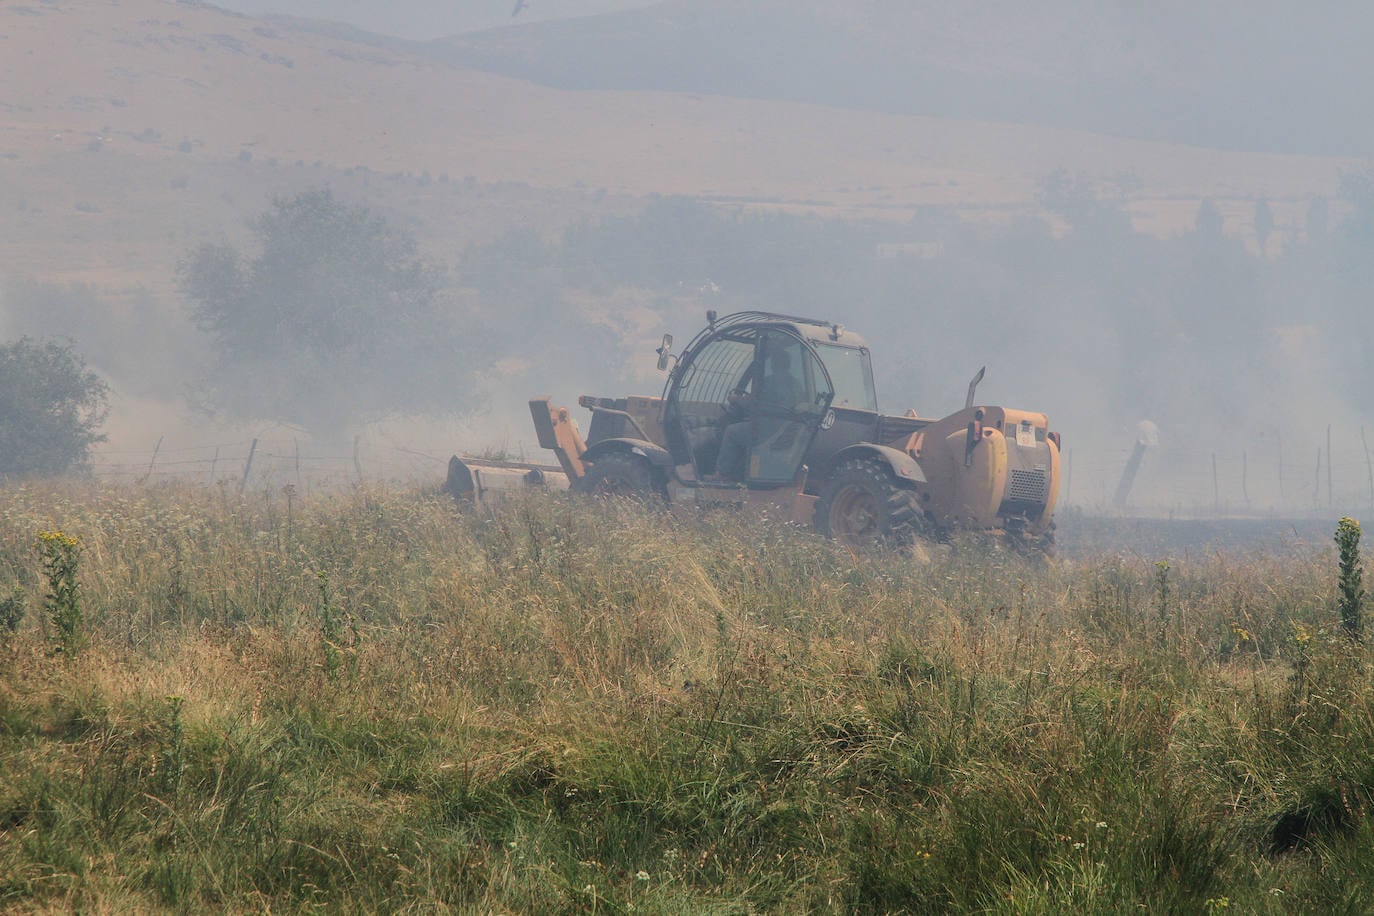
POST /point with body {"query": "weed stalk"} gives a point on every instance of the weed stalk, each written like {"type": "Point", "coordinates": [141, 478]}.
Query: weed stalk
{"type": "Point", "coordinates": [11, 612]}
{"type": "Point", "coordinates": [1162, 597]}
{"type": "Point", "coordinates": [1350, 577]}
{"type": "Point", "coordinates": [61, 557]}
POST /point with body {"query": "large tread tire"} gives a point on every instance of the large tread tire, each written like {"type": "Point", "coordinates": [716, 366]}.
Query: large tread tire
{"type": "Point", "coordinates": [624, 475]}
{"type": "Point", "coordinates": [862, 505]}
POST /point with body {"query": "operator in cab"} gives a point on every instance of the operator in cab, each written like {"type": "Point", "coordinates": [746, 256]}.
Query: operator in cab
{"type": "Point", "coordinates": [770, 384]}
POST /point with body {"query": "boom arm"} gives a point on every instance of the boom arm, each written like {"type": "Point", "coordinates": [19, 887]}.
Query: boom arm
{"type": "Point", "coordinates": [556, 433]}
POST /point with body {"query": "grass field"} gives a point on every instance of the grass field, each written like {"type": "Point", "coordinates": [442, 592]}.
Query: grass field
{"type": "Point", "coordinates": [374, 702]}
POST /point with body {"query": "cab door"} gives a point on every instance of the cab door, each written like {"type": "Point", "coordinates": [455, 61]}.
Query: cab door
{"type": "Point", "coordinates": [790, 394]}
{"type": "Point", "coordinates": [698, 395]}
{"type": "Point", "coordinates": [854, 409]}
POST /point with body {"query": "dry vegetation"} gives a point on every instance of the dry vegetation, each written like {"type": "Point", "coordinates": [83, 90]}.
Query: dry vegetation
{"type": "Point", "coordinates": [374, 701]}
{"type": "Point", "coordinates": [109, 176]}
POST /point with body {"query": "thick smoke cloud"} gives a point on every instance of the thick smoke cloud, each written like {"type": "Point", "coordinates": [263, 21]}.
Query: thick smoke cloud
{"type": "Point", "coordinates": [1119, 270]}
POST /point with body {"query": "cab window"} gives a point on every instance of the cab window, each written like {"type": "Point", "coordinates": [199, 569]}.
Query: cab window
{"type": "Point", "coordinates": [718, 369]}
{"type": "Point", "coordinates": [852, 374]}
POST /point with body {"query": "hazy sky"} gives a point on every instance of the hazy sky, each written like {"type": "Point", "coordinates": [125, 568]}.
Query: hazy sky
{"type": "Point", "coordinates": [425, 19]}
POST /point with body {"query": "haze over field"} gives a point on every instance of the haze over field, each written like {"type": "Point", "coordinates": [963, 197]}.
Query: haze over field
{"type": "Point", "coordinates": [1128, 216]}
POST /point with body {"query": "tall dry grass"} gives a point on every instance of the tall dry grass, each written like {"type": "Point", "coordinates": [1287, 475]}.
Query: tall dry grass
{"type": "Point", "coordinates": [375, 701]}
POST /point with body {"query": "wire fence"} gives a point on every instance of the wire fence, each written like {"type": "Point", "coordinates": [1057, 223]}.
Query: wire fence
{"type": "Point", "coordinates": [255, 464]}
{"type": "Point", "coordinates": [1203, 482]}
{"type": "Point", "coordinates": [1182, 482]}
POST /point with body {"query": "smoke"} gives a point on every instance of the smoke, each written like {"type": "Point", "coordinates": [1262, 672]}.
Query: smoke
{"type": "Point", "coordinates": [1095, 212]}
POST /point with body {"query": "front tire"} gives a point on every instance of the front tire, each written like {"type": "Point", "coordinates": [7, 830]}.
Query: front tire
{"type": "Point", "coordinates": [863, 506]}
{"type": "Point", "coordinates": [621, 474]}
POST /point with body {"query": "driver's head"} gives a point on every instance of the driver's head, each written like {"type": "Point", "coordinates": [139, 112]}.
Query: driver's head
{"type": "Point", "coordinates": [775, 351]}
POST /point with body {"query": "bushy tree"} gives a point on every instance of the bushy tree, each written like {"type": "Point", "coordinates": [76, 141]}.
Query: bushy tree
{"type": "Point", "coordinates": [334, 318]}
{"type": "Point", "coordinates": [51, 409]}
{"type": "Point", "coordinates": [1208, 222]}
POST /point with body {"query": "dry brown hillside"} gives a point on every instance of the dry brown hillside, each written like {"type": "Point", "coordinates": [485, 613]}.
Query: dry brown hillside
{"type": "Point", "coordinates": [133, 128]}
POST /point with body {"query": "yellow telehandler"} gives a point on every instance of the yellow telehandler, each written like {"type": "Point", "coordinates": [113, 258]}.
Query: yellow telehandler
{"type": "Point", "coordinates": [775, 411]}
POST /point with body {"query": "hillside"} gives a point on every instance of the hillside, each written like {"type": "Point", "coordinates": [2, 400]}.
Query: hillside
{"type": "Point", "coordinates": [425, 19]}
{"type": "Point", "coordinates": [171, 121]}
{"type": "Point", "coordinates": [1287, 78]}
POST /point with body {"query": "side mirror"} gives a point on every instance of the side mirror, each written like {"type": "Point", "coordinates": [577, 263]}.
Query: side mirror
{"type": "Point", "coordinates": [664, 352]}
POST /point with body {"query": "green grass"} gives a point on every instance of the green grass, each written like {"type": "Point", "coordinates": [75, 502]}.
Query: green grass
{"type": "Point", "coordinates": [388, 703]}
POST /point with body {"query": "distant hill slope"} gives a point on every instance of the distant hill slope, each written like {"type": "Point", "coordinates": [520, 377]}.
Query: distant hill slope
{"type": "Point", "coordinates": [132, 128]}
{"type": "Point", "coordinates": [1285, 76]}
{"type": "Point", "coordinates": [426, 19]}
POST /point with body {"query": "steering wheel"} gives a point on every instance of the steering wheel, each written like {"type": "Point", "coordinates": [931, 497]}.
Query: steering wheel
{"type": "Point", "coordinates": [736, 404]}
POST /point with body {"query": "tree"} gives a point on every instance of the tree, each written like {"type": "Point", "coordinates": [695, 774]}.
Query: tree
{"type": "Point", "coordinates": [1208, 222]}
{"type": "Point", "coordinates": [51, 408]}
{"type": "Point", "coordinates": [1075, 200]}
{"type": "Point", "coordinates": [334, 318]}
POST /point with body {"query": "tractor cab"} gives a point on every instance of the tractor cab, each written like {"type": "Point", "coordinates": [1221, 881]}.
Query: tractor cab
{"type": "Point", "coordinates": [756, 396]}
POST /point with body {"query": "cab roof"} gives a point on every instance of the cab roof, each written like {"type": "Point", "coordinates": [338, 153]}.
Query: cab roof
{"type": "Point", "coordinates": [813, 330]}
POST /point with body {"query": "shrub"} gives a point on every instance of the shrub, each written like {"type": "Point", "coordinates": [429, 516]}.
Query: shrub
{"type": "Point", "coordinates": [51, 407]}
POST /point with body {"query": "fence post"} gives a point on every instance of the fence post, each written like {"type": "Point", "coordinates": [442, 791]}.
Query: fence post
{"type": "Point", "coordinates": [1369, 468]}
{"type": "Point", "coordinates": [152, 461]}
{"type": "Point", "coordinates": [1245, 479]}
{"type": "Point", "coordinates": [357, 464]}
{"type": "Point", "coordinates": [1328, 465]}
{"type": "Point", "coordinates": [1216, 489]}
{"type": "Point", "coordinates": [1279, 437]}
{"type": "Point", "coordinates": [1068, 476]}
{"type": "Point", "coordinates": [248, 466]}
{"type": "Point", "coordinates": [1317, 480]}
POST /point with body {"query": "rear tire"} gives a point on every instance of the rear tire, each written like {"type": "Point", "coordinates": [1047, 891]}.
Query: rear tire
{"type": "Point", "coordinates": [863, 506]}
{"type": "Point", "coordinates": [621, 474]}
